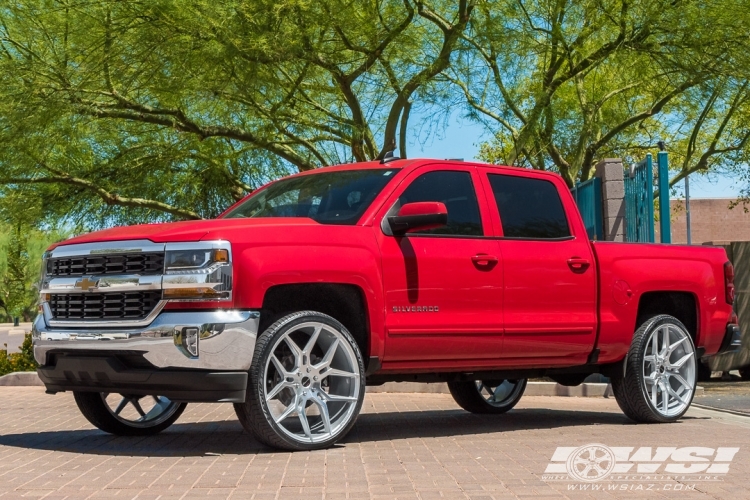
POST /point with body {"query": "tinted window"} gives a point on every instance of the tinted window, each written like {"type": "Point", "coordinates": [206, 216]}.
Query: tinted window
{"type": "Point", "coordinates": [334, 197]}
{"type": "Point", "coordinates": [529, 208]}
{"type": "Point", "coordinates": [456, 191]}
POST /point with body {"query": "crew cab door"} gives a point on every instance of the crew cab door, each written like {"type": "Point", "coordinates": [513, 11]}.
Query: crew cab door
{"type": "Point", "coordinates": [443, 286]}
{"type": "Point", "coordinates": [549, 300]}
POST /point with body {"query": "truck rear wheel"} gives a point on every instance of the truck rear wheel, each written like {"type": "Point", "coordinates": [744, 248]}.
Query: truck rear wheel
{"type": "Point", "coordinates": [125, 415]}
{"type": "Point", "coordinates": [658, 380]}
{"type": "Point", "coordinates": [306, 384]}
{"type": "Point", "coordinates": [487, 396]}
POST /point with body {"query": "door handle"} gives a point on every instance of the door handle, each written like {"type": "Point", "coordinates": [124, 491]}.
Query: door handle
{"type": "Point", "coordinates": [483, 259]}
{"type": "Point", "coordinates": [578, 264]}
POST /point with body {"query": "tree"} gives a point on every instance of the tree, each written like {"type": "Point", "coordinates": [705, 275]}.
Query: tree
{"type": "Point", "coordinates": [15, 294]}
{"type": "Point", "coordinates": [169, 109]}
{"type": "Point", "coordinates": [566, 83]}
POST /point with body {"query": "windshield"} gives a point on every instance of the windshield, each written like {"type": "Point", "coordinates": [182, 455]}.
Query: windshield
{"type": "Point", "coordinates": [336, 197]}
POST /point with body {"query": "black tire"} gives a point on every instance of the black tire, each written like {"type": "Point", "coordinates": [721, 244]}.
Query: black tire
{"type": "Point", "coordinates": [97, 412]}
{"type": "Point", "coordinates": [745, 373]}
{"type": "Point", "coordinates": [628, 384]}
{"type": "Point", "coordinates": [254, 414]}
{"type": "Point", "coordinates": [468, 396]}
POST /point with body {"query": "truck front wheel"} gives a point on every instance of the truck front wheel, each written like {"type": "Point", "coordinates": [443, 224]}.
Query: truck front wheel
{"type": "Point", "coordinates": [487, 396]}
{"type": "Point", "coordinates": [306, 384]}
{"type": "Point", "coordinates": [658, 380]}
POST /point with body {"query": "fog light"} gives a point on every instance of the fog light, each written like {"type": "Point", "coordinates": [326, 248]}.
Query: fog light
{"type": "Point", "coordinates": [186, 338]}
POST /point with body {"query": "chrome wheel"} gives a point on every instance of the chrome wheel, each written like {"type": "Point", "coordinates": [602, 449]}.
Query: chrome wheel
{"type": "Point", "coordinates": [669, 370]}
{"type": "Point", "coordinates": [139, 411]}
{"type": "Point", "coordinates": [499, 393]}
{"type": "Point", "coordinates": [311, 382]}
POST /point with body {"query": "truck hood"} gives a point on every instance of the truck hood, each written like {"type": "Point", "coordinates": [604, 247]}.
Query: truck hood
{"type": "Point", "coordinates": [182, 231]}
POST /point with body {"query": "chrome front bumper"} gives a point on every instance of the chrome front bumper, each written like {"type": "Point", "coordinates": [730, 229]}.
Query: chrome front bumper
{"type": "Point", "coordinates": [226, 340]}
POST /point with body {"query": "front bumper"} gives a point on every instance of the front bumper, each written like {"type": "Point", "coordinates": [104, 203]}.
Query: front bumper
{"type": "Point", "coordinates": [152, 359]}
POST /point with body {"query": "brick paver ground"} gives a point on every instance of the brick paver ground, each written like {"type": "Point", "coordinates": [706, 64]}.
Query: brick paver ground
{"type": "Point", "coordinates": [415, 446]}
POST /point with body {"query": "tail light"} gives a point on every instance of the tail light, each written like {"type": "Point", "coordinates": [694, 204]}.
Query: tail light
{"type": "Point", "coordinates": [729, 282]}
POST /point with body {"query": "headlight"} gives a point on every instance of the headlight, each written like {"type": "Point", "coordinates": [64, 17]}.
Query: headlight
{"type": "Point", "coordinates": [198, 271]}
{"type": "Point", "coordinates": [180, 260]}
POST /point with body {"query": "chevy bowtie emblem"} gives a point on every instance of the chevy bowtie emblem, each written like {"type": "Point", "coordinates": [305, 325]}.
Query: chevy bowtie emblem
{"type": "Point", "coordinates": [86, 284]}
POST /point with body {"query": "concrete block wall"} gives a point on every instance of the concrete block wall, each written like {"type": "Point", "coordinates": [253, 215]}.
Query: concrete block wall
{"type": "Point", "coordinates": [611, 172]}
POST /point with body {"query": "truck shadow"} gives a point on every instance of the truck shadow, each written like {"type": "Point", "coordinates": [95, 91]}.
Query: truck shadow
{"type": "Point", "coordinates": [228, 438]}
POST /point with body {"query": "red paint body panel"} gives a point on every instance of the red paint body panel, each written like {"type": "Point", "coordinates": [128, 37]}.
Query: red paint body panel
{"type": "Point", "coordinates": [449, 303]}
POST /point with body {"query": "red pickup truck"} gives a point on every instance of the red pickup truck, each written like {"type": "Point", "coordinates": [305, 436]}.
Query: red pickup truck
{"type": "Point", "coordinates": [316, 285]}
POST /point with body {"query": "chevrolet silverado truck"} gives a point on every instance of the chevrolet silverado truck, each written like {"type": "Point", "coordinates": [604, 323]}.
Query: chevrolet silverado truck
{"type": "Point", "coordinates": [312, 287]}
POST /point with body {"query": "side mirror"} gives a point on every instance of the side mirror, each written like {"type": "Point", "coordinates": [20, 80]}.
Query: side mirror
{"type": "Point", "coordinates": [418, 217]}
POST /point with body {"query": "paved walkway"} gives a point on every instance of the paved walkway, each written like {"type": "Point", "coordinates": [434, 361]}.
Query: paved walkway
{"type": "Point", "coordinates": [415, 446]}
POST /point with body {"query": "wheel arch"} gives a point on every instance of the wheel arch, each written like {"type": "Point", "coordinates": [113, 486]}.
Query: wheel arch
{"type": "Point", "coordinates": [681, 305]}
{"type": "Point", "coordinates": [345, 302]}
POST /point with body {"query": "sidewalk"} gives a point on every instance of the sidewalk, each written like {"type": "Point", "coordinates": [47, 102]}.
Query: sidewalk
{"type": "Point", "coordinates": [416, 446]}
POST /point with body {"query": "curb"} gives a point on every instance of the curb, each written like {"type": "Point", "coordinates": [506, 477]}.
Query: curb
{"type": "Point", "coordinates": [722, 410]}
{"type": "Point", "coordinates": [21, 379]}
{"type": "Point", "coordinates": [585, 390]}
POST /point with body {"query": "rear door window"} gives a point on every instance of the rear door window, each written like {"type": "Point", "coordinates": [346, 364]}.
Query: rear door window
{"type": "Point", "coordinates": [529, 208]}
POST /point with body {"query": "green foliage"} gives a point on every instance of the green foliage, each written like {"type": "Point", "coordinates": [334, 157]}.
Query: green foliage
{"type": "Point", "coordinates": [18, 361]}
{"type": "Point", "coordinates": [565, 84]}
{"type": "Point", "coordinates": [15, 294]}
{"type": "Point", "coordinates": [119, 112]}
{"type": "Point", "coordinates": [124, 112]}
{"type": "Point", "coordinates": [21, 249]}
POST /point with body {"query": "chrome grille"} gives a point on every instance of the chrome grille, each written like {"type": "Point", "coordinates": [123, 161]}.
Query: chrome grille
{"type": "Point", "coordinates": [126, 263]}
{"type": "Point", "coordinates": [105, 306]}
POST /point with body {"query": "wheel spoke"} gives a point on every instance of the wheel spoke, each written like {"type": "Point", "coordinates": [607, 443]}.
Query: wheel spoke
{"type": "Point", "coordinates": [681, 380]}
{"type": "Point", "coordinates": [664, 398]}
{"type": "Point", "coordinates": [674, 346]}
{"type": "Point", "coordinates": [279, 367]}
{"type": "Point", "coordinates": [655, 394]}
{"type": "Point", "coordinates": [324, 416]}
{"type": "Point", "coordinates": [681, 361]}
{"type": "Point", "coordinates": [326, 362]}
{"type": "Point", "coordinates": [121, 405]}
{"type": "Point", "coordinates": [674, 394]}
{"type": "Point", "coordinates": [137, 407]}
{"type": "Point", "coordinates": [281, 385]}
{"type": "Point", "coordinates": [655, 343]}
{"type": "Point", "coordinates": [311, 343]}
{"type": "Point", "coordinates": [288, 411]}
{"type": "Point", "coordinates": [335, 397]}
{"type": "Point", "coordinates": [338, 373]}
{"type": "Point", "coordinates": [295, 350]}
{"type": "Point", "coordinates": [665, 341]}
{"type": "Point", "coordinates": [304, 422]}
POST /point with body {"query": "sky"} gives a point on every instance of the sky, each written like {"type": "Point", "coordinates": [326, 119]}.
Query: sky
{"type": "Point", "coordinates": [461, 139]}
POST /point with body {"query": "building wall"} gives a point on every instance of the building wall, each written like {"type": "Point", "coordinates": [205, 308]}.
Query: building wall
{"type": "Point", "coordinates": [711, 219]}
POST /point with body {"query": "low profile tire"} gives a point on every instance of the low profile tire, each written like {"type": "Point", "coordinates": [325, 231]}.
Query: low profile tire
{"type": "Point", "coordinates": [487, 396]}
{"type": "Point", "coordinates": [658, 381]}
{"type": "Point", "coordinates": [306, 383]}
{"type": "Point", "coordinates": [124, 415]}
